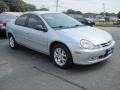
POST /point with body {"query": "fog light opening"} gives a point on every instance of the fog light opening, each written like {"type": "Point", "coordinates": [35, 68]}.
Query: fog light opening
{"type": "Point", "coordinates": [94, 58]}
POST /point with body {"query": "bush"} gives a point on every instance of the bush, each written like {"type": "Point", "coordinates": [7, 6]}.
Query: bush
{"type": "Point", "coordinates": [3, 7]}
{"type": "Point", "coordinates": [16, 6]}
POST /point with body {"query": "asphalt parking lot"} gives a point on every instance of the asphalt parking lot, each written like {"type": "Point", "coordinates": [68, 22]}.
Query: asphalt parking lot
{"type": "Point", "coordinates": [24, 69]}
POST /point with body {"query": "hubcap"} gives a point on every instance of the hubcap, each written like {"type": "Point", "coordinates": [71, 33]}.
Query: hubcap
{"type": "Point", "coordinates": [60, 56]}
{"type": "Point", "coordinates": [11, 41]}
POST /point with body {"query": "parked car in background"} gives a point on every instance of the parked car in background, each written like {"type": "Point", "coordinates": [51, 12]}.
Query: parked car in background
{"type": "Point", "coordinates": [87, 21]}
{"type": "Point", "coordinates": [102, 20]}
{"type": "Point", "coordinates": [117, 22]}
{"type": "Point", "coordinates": [4, 18]}
{"type": "Point", "coordinates": [65, 39]}
{"type": "Point", "coordinates": [13, 13]}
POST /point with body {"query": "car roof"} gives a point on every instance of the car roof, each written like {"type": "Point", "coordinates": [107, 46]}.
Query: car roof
{"type": "Point", "coordinates": [39, 12]}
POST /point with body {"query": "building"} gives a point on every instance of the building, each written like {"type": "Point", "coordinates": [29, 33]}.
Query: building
{"type": "Point", "coordinates": [100, 18]}
{"type": "Point", "coordinates": [113, 18]}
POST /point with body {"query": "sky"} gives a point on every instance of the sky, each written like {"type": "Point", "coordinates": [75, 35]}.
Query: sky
{"type": "Point", "coordinates": [94, 6]}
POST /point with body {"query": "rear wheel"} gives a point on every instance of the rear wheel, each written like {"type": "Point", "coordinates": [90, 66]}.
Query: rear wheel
{"type": "Point", "coordinates": [12, 42]}
{"type": "Point", "coordinates": [61, 56]}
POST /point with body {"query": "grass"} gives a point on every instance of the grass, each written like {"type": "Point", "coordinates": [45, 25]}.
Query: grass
{"type": "Point", "coordinates": [106, 24]}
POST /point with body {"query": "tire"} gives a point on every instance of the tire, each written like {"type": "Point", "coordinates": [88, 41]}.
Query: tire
{"type": "Point", "coordinates": [12, 43]}
{"type": "Point", "coordinates": [61, 56]}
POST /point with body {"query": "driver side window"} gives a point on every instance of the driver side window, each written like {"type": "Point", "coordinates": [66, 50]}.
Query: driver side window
{"type": "Point", "coordinates": [34, 21]}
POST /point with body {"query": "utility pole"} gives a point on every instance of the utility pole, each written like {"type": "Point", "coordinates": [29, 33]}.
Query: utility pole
{"type": "Point", "coordinates": [104, 10]}
{"type": "Point", "coordinates": [57, 5]}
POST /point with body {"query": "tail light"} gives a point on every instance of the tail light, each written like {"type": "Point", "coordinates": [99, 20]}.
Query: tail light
{"type": "Point", "coordinates": [1, 24]}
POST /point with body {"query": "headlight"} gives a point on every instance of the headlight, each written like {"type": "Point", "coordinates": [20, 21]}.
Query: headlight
{"type": "Point", "coordinates": [87, 44]}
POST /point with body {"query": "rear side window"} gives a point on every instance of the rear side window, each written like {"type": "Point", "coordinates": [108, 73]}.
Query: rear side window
{"type": "Point", "coordinates": [34, 21]}
{"type": "Point", "coordinates": [22, 20]}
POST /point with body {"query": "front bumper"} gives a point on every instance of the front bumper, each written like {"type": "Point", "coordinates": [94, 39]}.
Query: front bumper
{"type": "Point", "coordinates": [87, 57]}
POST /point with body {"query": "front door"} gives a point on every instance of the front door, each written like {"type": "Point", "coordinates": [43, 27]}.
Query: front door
{"type": "Point", "coordinates": [36, 39]}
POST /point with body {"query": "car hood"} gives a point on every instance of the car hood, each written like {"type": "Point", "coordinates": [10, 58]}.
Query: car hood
{"type": "Point", "coordinates": [95, 35]}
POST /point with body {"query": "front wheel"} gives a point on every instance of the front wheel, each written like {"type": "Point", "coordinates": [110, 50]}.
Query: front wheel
{"type": "Point", "coordinates": [61, 56]}
{"type": "Point", "coordinates": [12, 42]}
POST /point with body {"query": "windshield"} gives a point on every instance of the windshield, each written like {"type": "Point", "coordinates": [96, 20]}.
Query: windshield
{"type": "Point", "coordinates": [60, 20]}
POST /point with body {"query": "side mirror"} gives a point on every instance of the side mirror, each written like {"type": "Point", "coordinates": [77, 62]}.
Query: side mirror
{"type": "Point", "coordinates": [41, 28]}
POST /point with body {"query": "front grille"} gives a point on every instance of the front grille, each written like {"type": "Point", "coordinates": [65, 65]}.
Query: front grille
{"type": "Point", "coordinates": [106, 44]}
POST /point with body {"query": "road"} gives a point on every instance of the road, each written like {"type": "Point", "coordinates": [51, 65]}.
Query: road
{"type": "Point", "coordinates": [24, 69]}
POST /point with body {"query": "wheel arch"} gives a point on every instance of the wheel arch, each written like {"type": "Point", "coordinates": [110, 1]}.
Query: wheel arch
{"type": "Point", "coordinates": [9, 34]}
{"type": "Point", "coordinates": [55, 43]}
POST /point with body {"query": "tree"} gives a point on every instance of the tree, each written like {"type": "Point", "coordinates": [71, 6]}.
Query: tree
{"type": "Point", "coordinates": [19, 5]}
{"type": "Point", "coordinates": [108, 14]}
{"type": "Point", "coordinates": [87, 15]}
{"type": "Point", "coordinates": [70, 11]}
{"type": "Point", "coordinates": [118, 15]}
{"type": "Point", "coordinates": [28, 7]}
{"type": "Point", "coordinates": [43, 9]}
{"type": "Point", "coordinates": [3, 7]}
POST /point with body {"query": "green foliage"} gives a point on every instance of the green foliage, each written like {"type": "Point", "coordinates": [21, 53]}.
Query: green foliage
{"type": "Point", "coordinates": [18, 5]}
{"type": "Point", "coordinates": [107, 24]}
{"type": "Point", "coordinates": [43, 9]}
{"type": "Point", "coordinates": [3, 7]}
{"type": "Point", "coordinates": [87, 15]}
{"type": "Point", "coordinates": [118, 15]}
{"type": "Point", "coordinates": [108, 14]}
{"type": "Point", "coordinates": [70, 11]}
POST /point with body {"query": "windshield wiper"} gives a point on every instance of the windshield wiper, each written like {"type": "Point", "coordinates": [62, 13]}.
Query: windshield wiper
{"type": "Point", "coordinates": [60, 27]}
{"type": "Point", "coordinates": [77, 25]}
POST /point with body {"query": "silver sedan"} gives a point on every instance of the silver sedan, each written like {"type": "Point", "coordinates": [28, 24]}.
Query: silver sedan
{"type": "Point", "coordinates": [66, 40]}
